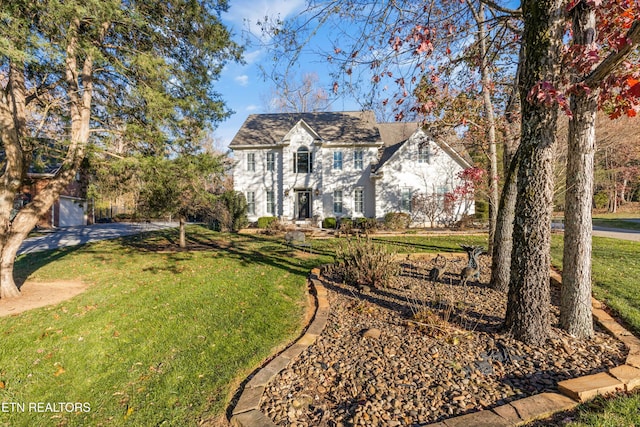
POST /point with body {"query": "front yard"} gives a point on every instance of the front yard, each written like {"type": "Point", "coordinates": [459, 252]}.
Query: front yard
{"type": "Point", "coordinates": [164, 338]}
{"type": "Point", "coordinates": [158, 338]}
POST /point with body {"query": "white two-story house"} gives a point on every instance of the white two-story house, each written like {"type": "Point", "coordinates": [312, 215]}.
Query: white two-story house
{"type": "Point", "coordinates": [310, 166]}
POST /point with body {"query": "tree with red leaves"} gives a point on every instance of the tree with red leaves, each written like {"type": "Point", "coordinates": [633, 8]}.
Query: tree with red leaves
{"type": "Point", "coordinates": [577, 77]}
{"type": "Point", "coordinates": [604, 35]}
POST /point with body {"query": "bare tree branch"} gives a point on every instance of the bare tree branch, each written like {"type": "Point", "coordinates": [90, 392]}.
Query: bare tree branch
{"type": "Point", "coordinates": [611, 62]}
{"type": "Point", "coordinates": [495, 6]}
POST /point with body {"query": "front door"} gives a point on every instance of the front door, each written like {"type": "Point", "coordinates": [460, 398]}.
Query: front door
{"type": "Point", "coordinates": [304, 204]}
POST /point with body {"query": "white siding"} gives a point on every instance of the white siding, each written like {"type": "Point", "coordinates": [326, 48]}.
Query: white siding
{"type": "Point", "coordinates": [403, 171]}
{"type": "Point", "coordinates": [381, 195]}
{"type": "Point", "coordinates": [260, 180]}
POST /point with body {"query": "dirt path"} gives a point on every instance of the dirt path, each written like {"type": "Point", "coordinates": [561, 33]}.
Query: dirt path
{"type": "Point", "coordinates": [40, 294]}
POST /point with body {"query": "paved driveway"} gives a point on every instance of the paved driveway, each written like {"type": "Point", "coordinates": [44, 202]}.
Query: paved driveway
{"type": "Point", "coordinates": [71, 236]}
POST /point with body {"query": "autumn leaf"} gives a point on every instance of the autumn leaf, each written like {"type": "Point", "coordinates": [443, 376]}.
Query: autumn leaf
{"type": "Point", "coordinates": [128, 413]}
{"type": "Point", "coordinates": [59, 371]}
{"type": "Point", "coordinates": [634, 86]}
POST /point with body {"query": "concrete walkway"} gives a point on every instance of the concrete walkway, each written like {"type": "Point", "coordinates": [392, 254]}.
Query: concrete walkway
{"type": "Point", "coordinates": [72, 236]}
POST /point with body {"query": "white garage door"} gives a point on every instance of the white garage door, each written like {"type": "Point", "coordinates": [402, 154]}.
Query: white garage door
{"type": "Point", "coordinates": [71, 212]}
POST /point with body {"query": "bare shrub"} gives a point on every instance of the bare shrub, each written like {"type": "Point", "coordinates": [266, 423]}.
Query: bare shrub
{"type": "Point", "coordinates": [362, 262]}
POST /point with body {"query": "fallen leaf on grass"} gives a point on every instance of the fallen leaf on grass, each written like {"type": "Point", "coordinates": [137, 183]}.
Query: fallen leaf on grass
{"type": "Point", "coordinates": [129, 412]}
{"type": "Point", "coordinates": [60, 371]}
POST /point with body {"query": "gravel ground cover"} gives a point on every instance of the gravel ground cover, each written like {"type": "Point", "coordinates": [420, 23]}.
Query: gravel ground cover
{"type": "Point", "coordinates": [420, 351]}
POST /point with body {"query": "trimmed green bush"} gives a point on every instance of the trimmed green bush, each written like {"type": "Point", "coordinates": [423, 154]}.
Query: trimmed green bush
{"type": "Point", "coordinates": [368, 225]}
{"type": "Point", "coordinates": [265, 221]}
{"type": "Point", "coordinates": [397, 221]}
{"type": "Point", "coordinates": [329, 222]}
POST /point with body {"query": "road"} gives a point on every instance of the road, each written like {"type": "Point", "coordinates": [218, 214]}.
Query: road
{"type": "Point", "coordinates": [616, 233]}
{"type": "Point", "coordinates": [71, 236]}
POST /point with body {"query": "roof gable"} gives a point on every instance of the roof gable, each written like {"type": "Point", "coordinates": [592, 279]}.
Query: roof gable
{"type": "Point", "coordinates": [395, 135]}
{"type": "Point", "coordinates": [357, 127]}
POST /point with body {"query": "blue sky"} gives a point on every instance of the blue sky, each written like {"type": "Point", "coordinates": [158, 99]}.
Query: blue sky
{"type": "Point", "coordinates": [242, 86]}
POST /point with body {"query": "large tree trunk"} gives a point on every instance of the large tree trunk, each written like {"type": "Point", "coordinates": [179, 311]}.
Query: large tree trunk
{"type": "Point", "coordinates": [527, 316]}
{"type": "Point", "coordinates": [575, 307]}
{"type": "Point", "coordinates": [479, 17]}
{"type": "Point", "coordinates": [18, 231]}
{"type": "Point", "coordinates": [503, 240]}
{"type": "Point", "coordinates": [14, 138]}
{"type": "Point", "coordinates": [12, 130]}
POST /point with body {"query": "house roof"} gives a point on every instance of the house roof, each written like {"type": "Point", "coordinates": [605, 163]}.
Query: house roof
{"type": "Point", "coordinates": [358, 127]}
{"type": "Point", "coordinates": [395, 135]}
{"type": "Point", "coordinates": [353, 127]}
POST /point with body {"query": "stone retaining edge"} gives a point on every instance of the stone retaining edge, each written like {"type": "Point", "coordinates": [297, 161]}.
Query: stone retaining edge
{"type": "Point", "coordinates": [247, 412]}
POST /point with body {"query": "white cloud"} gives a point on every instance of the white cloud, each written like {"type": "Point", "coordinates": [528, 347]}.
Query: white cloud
{"type": "Point", "coordinates": [251, 107]}
{"type": "Point", "coordinates": [253, 56]}
{"type": "Point", "coordinates": [242, 80]}
{"type": "Point", "coordinates": [249, 12]}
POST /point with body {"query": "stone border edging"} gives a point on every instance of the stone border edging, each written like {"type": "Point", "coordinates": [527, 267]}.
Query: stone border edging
{"type": "Point", "coordinates": [247, 412]}
{"type": "Point", "coordinates": [572, 392]}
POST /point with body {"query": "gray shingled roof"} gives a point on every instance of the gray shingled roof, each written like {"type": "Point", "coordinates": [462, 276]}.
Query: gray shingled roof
{"type": "Point", "coordinates": [357, 127]}
{"type": "Point", "coordinates": [395, 135]}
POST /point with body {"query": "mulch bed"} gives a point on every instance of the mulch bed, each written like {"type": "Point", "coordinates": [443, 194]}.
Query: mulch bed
{"type": "Point", "coordinates": [419, 352]}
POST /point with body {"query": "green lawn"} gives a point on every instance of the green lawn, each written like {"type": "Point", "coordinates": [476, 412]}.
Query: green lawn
{"type": "Point", "coordinates": [616, 275]}
{"type": "Point", "coordinates": [621, 411]}
{"type": "Point", "coordinates": [617, 223]}
{"type": "Point", "coordinates": [164, 337]}
{"type": "Point", "coordinates": [159, 338]}
{"type": "Point", "coordinates": [622, 213]}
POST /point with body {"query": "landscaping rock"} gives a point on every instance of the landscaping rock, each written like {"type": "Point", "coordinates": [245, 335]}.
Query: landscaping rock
{"type": "Point", "coordinates": [372, 333]}
{"type": "Point", "coordinates": [430, 372]}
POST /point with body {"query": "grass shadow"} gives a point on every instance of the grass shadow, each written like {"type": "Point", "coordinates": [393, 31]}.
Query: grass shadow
{"type": "Point", "coordinates": [27, 264]}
